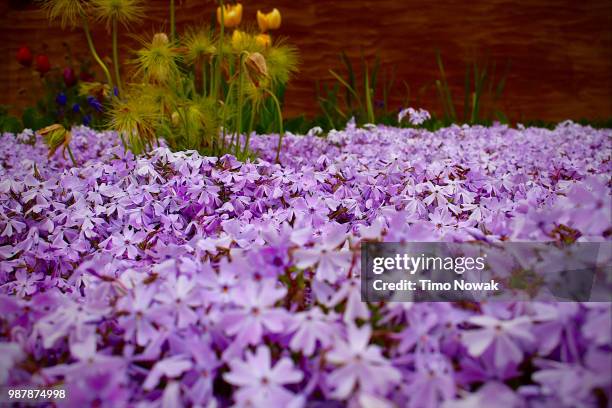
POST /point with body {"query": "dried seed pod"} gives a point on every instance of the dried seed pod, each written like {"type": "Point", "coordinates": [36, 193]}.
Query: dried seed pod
{"type": "Point", "coordinates": [256, 67]}
{"type": "Point", "coordinates": [55, 136]}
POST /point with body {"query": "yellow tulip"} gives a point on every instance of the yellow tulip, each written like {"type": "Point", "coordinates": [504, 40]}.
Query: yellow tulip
{"type": "Point", "coordinates": [264, 40]}
{"type": "Point", "coordinates": [232, 15]}
{"type": "Point", "coordinates": [268, 21]}
{"type": "Point", "coordinates": [239, 38]}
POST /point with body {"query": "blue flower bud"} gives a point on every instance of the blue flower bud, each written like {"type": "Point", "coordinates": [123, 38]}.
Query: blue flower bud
{"type": "Point", "coordinates": [61, 99]}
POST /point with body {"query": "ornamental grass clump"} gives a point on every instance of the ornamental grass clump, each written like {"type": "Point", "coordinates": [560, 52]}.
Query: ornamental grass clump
{"type": "Point", "coordinates": [205, 90]}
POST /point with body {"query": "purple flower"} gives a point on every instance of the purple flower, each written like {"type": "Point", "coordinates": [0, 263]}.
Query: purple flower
{"type": "Point", "coordinates": [416, 117]}
{"type": "Point", "coordinates": [360, 365]}
{"type": "Point", "coordinates": [254, 313]}
{"type": "Point", "coordinates": [312, 328]}
{"type": "Point", "coordinates": [259, 382]}
{"type": "Point", "coordinates": [61, 99]}
{"type": "Point", "coordinates": [331, 264]}
{"type": "Point", "coordinates": [94, 103]}
{"type": "Point", "coordinates": [504, 337]}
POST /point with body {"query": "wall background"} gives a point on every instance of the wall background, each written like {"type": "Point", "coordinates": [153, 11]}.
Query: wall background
{"type": "Point", "coordinates": [560, 51]}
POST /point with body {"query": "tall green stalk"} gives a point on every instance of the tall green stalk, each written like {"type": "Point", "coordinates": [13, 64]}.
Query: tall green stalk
{"type": "Point", "coordinates": [239, 105]}
{"type": "Point", "coordinates": [93, 51]}
{"type": "Point", "coordinates": [280, 124]}
{"type": "Point", "coordinates": [116, 57]}
{"type": "Point", "coordinates": [368, 97]}
{"type": "Point", "coordinates": [74, 162]}
{"type": "Point", "coordinates": [250, 130]}
{"type": "Point", "coordinates": [217, 86]}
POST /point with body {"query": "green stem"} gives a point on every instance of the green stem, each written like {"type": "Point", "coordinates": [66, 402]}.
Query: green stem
{"type": "Point", "coordinates": [93, 51]}
{"type": "Point", "coordinates": [71, 155]}
{"type": "Point", "coordinates": [116, 57]}
{"type": "Point", "coordinates": [248, 136]}
{"type": "Point", "coordinates": [239, 105]}
{"type": "Point", "coordinates": [368, 97]}
{"type": "Point", "coordinates": [220, 57]}
{"type": "Point", "coordinates": [172, 21]}
{"type": "Point", "coordinates": [204, 76]}
{"type": "Point", "coordinates": [224, 116]}
{"type": "Point", "coordinates": [280, 124]}
{"type": "Point", "coordinates": [124, 142]}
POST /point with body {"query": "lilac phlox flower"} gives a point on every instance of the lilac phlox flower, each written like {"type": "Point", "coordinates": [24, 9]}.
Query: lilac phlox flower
{"type": "Point", "coordinates": [312, 210]}
{"type": "Point", "coordinates": [25, 284]}
{"type": "Point", "coordinates": [180, 296]}
{"type": "Point", "coordinates": [259, 382]}
{"type": "Point", "coordinates": [170, 367]}
{"type": "Point", "coordinates": [350, 291]}
{"type": "Point", "coordinates": [360, 365]}
{"type": "Point", "coordinates": [418, 330]}
{"type": "Point", "coordinates": [331, 263]}
{"type": "Point", "coordinates": [598, 324]}
{"type": "Point", "coordinates": [556, 327]}
{"type": "Point", "coordinates": [312, 328]}
{"type": "Point", "coordinates": [431, 383]}
{"type": "Point", "coordinates": [11, 226]}
{"type": "Point", "coordinates": [505, 337]}
{"type": "Point", "coordinates": [491, 394]}
{"type": "Point", "coordinates": [570, 384]}
{"type": "Point", "coordinates": [125, 242]}
{"type": "Point", "coordinates": [415, 116]}
{"type": "Point", "coordinates": [254, 312]}
{"type": "Point", "coordinates": [71, 318]}
{"type": "Point", "coordinates": [437, 193]}
{"type": "Point", "coordinates": [139, 321]}
{"type": "Point", "coordinates": [11, 354]}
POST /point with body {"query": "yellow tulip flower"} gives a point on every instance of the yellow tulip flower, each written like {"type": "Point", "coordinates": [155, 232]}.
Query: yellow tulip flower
{"type": "Point", "coordinates": [264, 40]}
{"type": "Point", "coordinates": [232, 15]}
{"type": "Point", "coordinates": [268, 21]}
{"type": "Point", "coordinates": [239, 38]}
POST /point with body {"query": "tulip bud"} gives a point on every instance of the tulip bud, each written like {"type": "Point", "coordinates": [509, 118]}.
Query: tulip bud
{"type": "Point", "coordinates": [24, 56]}
{"type": "Point", "coordinates": [55, 136]}
{"type": "Point", "coordinates": [268, 21]}
{"type": "Point", "coordinates": [238, 39]}
{"type": "Point", "coordinates": [160, 39]}
{"type": "Point", "coordinates": [232, 15]}
{"type": "Point", "coordinates": [263, 40]}
{"type": "Point", "coordinates": [69, 77]}
{"type": "Point", "coordinates": [175, 117]}
{"type": "Point", "coordinates": [42, 64]}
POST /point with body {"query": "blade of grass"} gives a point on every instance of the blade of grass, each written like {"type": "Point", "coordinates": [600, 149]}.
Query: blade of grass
{"type": "Point", "coordinates": [351, 78]}
{"type": "Point", "coordinates": [348, 87]}
{"type": "Point", "coordinates": [368, 97]}
{"type": "Point", "coordinates": [445, 89]}
{"type": "Point", "coordinates": [466, 92]}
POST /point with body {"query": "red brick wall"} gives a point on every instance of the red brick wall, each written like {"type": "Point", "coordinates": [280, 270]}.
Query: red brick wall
{"type": "Point", "coordinates": [560, 51]}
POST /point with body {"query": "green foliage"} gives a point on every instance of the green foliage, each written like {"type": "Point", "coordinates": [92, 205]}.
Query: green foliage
{"type": "Point", "coordinates": [33, 119]}
{"type": "Point", "coordinates": [8, 122]}
{"type": "Point", "coordinates": [360, 93]}
{"type": "Point", "coordinates": [481, 95]}
{"type": "Point", "coordinates": [204, 92]}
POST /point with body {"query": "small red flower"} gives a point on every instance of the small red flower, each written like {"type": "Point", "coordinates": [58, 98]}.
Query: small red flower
{"type": "Point", "coordinates": [42, 64]}
{"type": "Point", "coordinates": [69, 77]}
{"type": "Point", "coordinates": [24, 56]}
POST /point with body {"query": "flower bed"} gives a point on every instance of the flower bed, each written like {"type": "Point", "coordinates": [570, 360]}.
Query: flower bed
{"type": "Point", "coordinates": [176, 279]}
